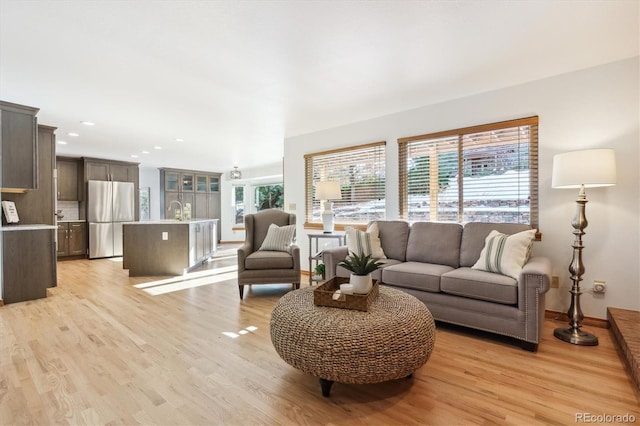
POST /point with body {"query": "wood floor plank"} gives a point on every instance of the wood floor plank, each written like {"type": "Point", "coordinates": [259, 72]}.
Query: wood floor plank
{"type": "Point", "coordinates": [104, 348]}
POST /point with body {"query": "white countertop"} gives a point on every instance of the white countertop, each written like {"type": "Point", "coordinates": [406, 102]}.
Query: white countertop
{"type": "Point", "coordinates": [71, 220]}
{"type": "Point", "coordinates": [32, 227]}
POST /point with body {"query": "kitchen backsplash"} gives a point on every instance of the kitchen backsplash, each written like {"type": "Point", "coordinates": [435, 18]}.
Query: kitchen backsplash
{"type": "Point", "coordinates": [69, 210]}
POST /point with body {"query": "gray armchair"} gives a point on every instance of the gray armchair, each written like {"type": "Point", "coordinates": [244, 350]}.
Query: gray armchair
{"type": "Point", "coordinates": [266, 267]}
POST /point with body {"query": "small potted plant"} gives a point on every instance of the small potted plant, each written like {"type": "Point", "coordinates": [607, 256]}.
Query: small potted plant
{"type": "Point", "coordinates": [361, 266]}
{"type": "Point", "coordinates": [319, 272]}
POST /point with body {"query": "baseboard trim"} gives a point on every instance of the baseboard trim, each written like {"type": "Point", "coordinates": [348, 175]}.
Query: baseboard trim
{"type": "Point", "coordinates": [588, 321]}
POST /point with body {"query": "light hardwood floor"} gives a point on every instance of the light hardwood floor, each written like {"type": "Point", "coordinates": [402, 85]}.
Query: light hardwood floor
{"type": "Point", "coordinates": [99, 350]}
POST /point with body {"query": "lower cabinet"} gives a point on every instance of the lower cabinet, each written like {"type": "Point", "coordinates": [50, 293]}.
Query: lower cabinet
{"type": "Point", "coordinates": [202, 241]}
{"type": "Point", "coordinates": [28, 264]}
{"type": "Point", "coordinates": [72, 239]}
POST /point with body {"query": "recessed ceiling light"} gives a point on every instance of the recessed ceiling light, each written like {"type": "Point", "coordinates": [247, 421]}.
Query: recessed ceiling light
{"type": "Point", "coordinates": [134, 156]}
{"type": "Point", "coordinates": [157, 147]}
{"type": "Point", "coordinates": [62, 142]}
{"type": "Point", "coordinates": [74, 134]}
{"type": "Point", "coordinates": [88, 123]}
{"type": "Point", "coordinates": [179, 140]}
{"type": "Point", "coordinates": [144, 152]}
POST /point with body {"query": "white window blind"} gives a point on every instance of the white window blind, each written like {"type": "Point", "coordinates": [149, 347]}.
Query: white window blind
{"type": "Point", "coordinates": [485, 173]}
{"type": "Point", "coordinates": [361, 173]}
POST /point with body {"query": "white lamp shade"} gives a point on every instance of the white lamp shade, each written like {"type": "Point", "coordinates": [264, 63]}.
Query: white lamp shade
{"type": "Point", "coordinates": [328, 190]}
{"type": "Point", "coordinates": [591, 168]}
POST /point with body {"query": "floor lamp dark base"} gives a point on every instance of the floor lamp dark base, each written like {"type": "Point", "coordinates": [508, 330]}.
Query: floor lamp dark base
{"type": "Point", "coordinates": [576, 337]}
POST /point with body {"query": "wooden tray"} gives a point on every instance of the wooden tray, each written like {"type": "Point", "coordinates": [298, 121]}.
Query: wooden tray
{"type": "Point", "coordinates": [323, 296]}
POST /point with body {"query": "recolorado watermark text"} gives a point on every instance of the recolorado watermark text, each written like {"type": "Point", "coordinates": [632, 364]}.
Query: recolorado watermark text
{"type": "Point", "coordinates": [605, 418]}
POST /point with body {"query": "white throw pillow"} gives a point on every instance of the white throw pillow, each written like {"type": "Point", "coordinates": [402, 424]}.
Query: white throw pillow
{"type": "Point", "coordinates": [505, 254]}
{"type": "Point", "coordinates": [368, 242]}
{"type": "Point", "coordinates": [279, 238]}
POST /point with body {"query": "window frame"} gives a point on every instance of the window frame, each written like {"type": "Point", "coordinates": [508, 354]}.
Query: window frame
{"type": "Point", "coordinates": [309, 182]}
{"type": "Point", "coordinates": [403, 156]}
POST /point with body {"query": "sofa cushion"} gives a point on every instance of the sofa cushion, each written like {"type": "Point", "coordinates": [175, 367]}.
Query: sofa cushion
{"type": "Point", "coordinates": [394, 235]}
{"type": "Point", "coordinates": [505, 254]}
{"type": "Point", "coordinates": [432, 242]}
{"type": "Point", "coordinates": [480, 285]}
{"type": "Point", "coordinates": [474, 234]}
{"type": "Point", "coordinates": [415, 275]}
{"type": "Point", "coordinates": [278, 238]}
{"type": "Point", "coordinates": [359, 242]}
{"type": "Point", "coordinates": [269, 260]}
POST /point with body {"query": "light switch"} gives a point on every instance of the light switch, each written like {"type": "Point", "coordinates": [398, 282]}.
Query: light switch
{"type": "Point", "coordinates": [165, 236]}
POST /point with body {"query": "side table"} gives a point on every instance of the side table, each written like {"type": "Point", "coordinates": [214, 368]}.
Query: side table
{"type": "Point", "coordinates": [316, 255]}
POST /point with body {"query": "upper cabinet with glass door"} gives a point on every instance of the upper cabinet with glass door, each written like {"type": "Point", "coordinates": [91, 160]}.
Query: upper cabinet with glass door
{"type": "Point", "coordinates": [187, 182]}
{"type": "Point", "coordinates": [201, 183]}
{"type": "Point", "coordinates": [171, 180]}
{"type": "Point", "coordinates": [214, 183]}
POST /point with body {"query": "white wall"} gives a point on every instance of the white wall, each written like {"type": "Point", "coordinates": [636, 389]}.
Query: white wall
{"type": "Point", "coordinates": [271, 173]}
{"type": "Point", "coordinates": [592, 108]}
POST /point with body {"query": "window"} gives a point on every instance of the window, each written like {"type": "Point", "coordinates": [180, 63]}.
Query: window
{"type": "Point", "coordinates": [361, 173]}
{"type": "Point", "coordinates": [268, 196]}
{"type": "Point", "coordinates": [486, 173]}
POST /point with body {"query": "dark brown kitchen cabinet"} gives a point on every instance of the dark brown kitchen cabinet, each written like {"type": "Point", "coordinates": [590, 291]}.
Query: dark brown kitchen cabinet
{"type": "Point", "coordinates": [63, 236]}
{"type": "Point", "coordinates": [37, 206]}
{"type": "Point", "coordinates": [111, 170]}
{"type": "Point", "coordinates": [67, 179]}
{"type": "Point", "coordinates": [72, 239]}
{"type": "Point", "coordinates": [29, 264]}
{"type": "Point", "coordinates": [19, 147]}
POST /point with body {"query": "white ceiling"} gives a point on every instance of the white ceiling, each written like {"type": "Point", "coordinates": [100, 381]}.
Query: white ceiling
{"type": "Point", "coordinates": [234, 78]}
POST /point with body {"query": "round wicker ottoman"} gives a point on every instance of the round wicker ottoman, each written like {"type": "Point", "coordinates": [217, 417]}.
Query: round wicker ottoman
{"type": "Point", "coordinates": [390, 341]}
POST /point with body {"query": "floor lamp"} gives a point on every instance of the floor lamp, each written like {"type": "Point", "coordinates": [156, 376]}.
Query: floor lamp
{"type": "Point", "coordinates": [581, 169]}
{"type": "Point", "coordinates": [328, 190]}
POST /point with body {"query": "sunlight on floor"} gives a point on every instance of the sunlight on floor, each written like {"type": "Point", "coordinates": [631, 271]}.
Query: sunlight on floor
{"type": "Point", "coordinates": [233, 335]}
{"type": "Point", "coordinates": [189, 280]}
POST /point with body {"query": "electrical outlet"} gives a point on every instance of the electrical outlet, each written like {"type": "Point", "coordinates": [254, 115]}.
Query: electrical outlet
{"type": "Point", "coordinates": [555, 281]}
{"type": "Point", "coordinates": [599, 286]}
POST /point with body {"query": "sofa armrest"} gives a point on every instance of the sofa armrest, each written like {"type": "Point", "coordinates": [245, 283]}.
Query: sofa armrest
{"type": "Point", "coordinates": [540, 266]}
{"type": "Point", "coordinates": [295, 253]}
{"type": "Point", "coordinates": [331, 257]}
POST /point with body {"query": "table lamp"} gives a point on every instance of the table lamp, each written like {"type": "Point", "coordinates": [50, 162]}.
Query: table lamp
{"type": "Point", "coordinates": [327, 191]}
{"type": "Point", "coordinates": [581, 169]}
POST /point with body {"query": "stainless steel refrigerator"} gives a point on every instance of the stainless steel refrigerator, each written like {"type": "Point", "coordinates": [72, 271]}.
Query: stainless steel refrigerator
{"type": "Point", "coordinates": [110, 204]}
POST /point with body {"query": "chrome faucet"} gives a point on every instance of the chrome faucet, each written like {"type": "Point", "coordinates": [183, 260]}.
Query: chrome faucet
{"type": "Point", "coordinates": [181, 209]}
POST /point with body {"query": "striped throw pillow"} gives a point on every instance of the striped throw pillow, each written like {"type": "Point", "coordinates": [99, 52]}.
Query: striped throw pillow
{"type": "Point", "coordinates": [359, 242]}
{"type": "Point", "coordinates": [279, 238]}
{"type": "Point", "coordinates": [505, 254]}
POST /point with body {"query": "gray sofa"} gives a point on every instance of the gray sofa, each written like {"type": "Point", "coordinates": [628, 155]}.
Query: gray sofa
{"type": "Point", "coordinates": [432, 261]}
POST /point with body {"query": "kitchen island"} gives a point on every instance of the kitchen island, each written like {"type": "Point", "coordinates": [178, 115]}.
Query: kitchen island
{"type": "Point", "coordinates": [167, 247]}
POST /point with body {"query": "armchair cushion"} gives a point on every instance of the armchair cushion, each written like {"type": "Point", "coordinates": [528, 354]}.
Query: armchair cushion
{"type": "Point", "coordinates": [279, 238]}
{"type": "Point", "coordinates": [269, 260]}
